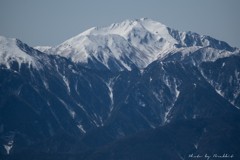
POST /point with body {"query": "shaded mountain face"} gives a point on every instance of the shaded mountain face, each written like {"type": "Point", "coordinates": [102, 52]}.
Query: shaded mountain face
{"type": "Point", "coordinates": [111, 82]}
{"type": "Point", "coordinates": [159, 95]}
{"type": "Point", "coordinates": [223, 75]}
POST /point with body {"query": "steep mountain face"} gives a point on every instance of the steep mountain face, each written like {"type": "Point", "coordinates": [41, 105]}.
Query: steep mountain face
{"type": "Point", "coordinates": [108, 83]}
{"type": "Point", "coordinates": [159, 95]}
{"type": "Point", "coordinates": [223, 75]}
{"type": "Point", "coordinates": [55, 95]}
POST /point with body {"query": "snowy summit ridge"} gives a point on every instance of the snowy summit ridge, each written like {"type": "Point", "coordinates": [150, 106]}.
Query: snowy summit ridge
{"type": "Point", "coordinates": [130, 44]}
{"type": "Point", "coordinates": [11, 51]}
{"type": "Point", "coordinates": [140, 27]}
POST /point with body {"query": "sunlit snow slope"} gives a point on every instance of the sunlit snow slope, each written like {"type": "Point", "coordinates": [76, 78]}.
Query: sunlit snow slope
{"type": "Point", "coordinates": [134, 43]}
{"type": "Point", "coordinates": [10, 51]}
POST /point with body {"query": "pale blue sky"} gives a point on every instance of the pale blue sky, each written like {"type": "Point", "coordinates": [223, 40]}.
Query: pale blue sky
{"type": "Point", "coordinates": [50, 22]}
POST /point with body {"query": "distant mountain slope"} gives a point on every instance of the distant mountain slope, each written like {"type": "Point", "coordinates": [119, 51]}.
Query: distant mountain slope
{"type": "Point", "coordinates": [179, 140]}
{"type": "Point", "coordinates": [183, 139]}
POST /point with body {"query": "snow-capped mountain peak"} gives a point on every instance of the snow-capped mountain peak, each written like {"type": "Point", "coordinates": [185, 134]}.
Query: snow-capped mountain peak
{"type": "Point", "coordinates": [11, 52]}
{"type": "Point", "coordinates": [137, 26]}
{"type": "Point", "coordinates": [130, 44]}
{"type": "Point", "coordinates": [120, 46]}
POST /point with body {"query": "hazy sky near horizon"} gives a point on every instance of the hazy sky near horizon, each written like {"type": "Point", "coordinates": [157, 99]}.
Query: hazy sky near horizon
{"type": "Point", "coordinates": [50, 22]}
